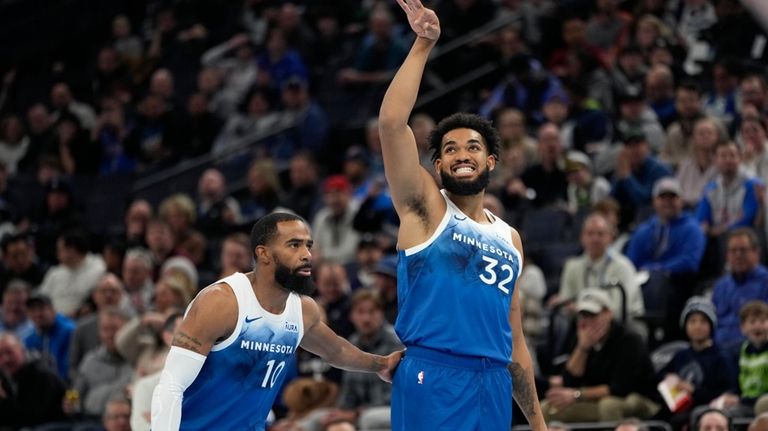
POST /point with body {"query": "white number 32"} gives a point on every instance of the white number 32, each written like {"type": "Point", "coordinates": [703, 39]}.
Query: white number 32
{"type": "Point", "coordinates": [489, 277]}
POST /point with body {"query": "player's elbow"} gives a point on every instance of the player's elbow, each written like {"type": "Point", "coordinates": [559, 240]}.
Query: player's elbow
{"type": "Point", "coordinates": [391, 120]}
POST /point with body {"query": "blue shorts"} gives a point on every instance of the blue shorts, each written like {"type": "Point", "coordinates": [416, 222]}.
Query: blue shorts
{"type": "Point", "coordinates": [433, 390]}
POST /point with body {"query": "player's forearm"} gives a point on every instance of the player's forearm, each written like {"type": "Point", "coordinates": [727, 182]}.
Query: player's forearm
{"type": "Point", "coordinates": [350, 358]}
{"type": "Point", "coordinates": [524, 387]}
{"type": "Point", "coordinates": [402, 92]}
{"type": "Point", "coordinates": [181, 369]}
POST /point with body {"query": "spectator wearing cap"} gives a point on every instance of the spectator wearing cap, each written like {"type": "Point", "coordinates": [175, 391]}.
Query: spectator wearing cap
{"type": "Point", "coordinates": [385, 283]}
{"type": "Point", "coordinates": [697, 169]}
{"type": "Point", "coordinates": [19, 261]}
{"type": "Point", "coordinates": [310, 131]}
{"type": "Point", "coordinates": [357, 163]}
{"type": "Point", "coordinates": [608, 376]}
{"type": "Point", "coordinates": [636, 173]}
{"type": "Point", "coordinates": [701, 369]}
{"type": "Point", "coordinates": [584, 188]}
{"type": "Point", "coordinates": [670, 244]}
{"type": "Point", "coordinates": [635, 114]}
{"type": "Point", "coordinates": [335, 236]}
{"type": "Point", "coordinates": [732, 198]}
{"type": "Point", "coordinates": [628, 72]}
{"type": "Point", "coordinates": [746, 280]}
{"type": "Point", "coordinates": [598, 267]}
{"type": "Point", "coordinates": [671, 240]}
{"type": "Point", "coordinates": [69, 283]}
{"type": "Point", "coordinates": [13, 310]}
{"type": "Point", "coordinates": [52, 335]}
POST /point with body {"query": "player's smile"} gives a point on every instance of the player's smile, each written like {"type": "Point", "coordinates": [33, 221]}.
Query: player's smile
{"type": "Point", "coordinates": [463, 170]}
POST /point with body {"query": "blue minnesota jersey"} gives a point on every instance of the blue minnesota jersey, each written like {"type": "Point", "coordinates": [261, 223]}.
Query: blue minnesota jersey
{"type": "Point", "coordinates": [242, 375]}
{"type": "Point", "coordinates": [455, 290]}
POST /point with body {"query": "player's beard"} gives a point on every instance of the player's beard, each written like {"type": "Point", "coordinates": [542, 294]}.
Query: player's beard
{"type": "Point", "coordinates": [293, 281]}
{"type": "Point", "coordinates": [466, 187]}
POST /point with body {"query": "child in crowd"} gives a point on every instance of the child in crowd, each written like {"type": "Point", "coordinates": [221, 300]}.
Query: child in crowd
{"type": "Point", "coordinates": [752, 398]}
{"type": "Point", "coordinates": [698, 369]}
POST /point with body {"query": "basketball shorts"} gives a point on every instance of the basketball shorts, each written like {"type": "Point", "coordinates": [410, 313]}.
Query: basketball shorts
{"type": "Point", "coordinates": [433, 390]}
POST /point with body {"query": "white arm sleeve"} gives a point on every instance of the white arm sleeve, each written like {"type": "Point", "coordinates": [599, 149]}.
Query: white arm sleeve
{"type": "Point", "coordinates": [181, 369]}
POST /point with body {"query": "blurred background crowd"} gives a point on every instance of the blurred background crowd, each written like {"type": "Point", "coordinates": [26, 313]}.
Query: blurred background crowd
{"type": "Point", "coordinates": [140, 140]}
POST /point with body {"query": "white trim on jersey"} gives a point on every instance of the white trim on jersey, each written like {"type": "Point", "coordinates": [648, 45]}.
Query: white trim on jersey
{"type": "Point", "coordinates": [440, 228]}
{"type": "Point", "coordinates": [238, 282]}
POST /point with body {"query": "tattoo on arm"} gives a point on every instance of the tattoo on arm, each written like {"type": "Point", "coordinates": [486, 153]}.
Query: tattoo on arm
{"type": "Point", "coordinates": [186, 341]}
{"type": "Point", "coordinates": [524, 390]}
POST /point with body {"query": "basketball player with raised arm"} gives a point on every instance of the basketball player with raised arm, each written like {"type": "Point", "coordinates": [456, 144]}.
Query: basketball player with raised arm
{"type": "Point", "coordinates": [459, 312]}
{"type": "Point", "coordinates": [229, 354]}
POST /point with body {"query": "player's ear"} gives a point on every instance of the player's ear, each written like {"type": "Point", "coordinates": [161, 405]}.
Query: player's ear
{"type": "Point", "coordinates": [262, 254]}
{"type": "Point", "coordinates": [491, 163]}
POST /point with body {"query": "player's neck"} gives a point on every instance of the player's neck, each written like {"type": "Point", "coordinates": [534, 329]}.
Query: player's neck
{"type": "Point", "coordinates": [471, 205]}
{"type": "Point", "coordinates": [270, 295]}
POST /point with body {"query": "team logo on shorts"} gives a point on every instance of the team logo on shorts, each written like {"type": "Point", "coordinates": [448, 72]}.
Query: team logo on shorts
{"type": "Point", "coordinates": [421, 377]}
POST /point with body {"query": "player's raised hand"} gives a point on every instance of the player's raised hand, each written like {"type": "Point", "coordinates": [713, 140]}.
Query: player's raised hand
{"type": "Point", "coordinates": [423, 21]}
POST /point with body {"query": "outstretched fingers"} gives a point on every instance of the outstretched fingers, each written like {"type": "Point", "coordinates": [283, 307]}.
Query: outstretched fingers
{"type": "Point", "coordinates": [405, 6]}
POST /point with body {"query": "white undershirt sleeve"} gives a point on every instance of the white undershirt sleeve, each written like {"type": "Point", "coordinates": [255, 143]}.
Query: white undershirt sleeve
{"type": "Point", "coordinates": [181, 369]}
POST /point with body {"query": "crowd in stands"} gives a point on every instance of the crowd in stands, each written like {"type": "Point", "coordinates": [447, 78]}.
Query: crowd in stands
{"type": "Point", "coordinates": [634, 165]}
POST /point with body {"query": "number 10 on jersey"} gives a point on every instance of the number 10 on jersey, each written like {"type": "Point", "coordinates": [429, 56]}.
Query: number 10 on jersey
{"type": "Point", "coordinates": [272, 373]}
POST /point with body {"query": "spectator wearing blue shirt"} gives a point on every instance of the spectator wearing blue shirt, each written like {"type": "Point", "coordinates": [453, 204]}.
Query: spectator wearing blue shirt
{"type": "Point", "coordinates": [636, 173]}
{"type": "Point", "coordinates": [671, 240]}
{"type": "Point", "coordinates": [52, 333]}
{"type": "Point", "coordinates": [279, 62]}
{"type": "Point", "coordinates": [671, 245]}
{"type": "Point", "coordinates": [746, 281]}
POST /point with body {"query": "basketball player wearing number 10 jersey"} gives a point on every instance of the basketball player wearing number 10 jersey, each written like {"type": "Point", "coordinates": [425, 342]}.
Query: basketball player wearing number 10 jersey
{"type": "Point", "coordinates": [458, 309]}
{"type": "Point", "coordinates": [229, 354]}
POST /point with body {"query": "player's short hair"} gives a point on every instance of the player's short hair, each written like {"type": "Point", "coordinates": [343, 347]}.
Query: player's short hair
{"type": "Point", "coordinates": [265, 230]}
{"type": "Point", "coordinates": [465, 121]}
